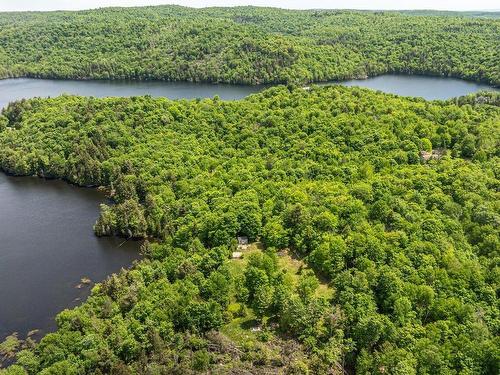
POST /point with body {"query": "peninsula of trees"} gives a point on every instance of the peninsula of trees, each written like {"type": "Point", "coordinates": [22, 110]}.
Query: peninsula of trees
{"type": "Point", "coordinates": [373, 221]}
{"type": "Point", "coordinates": [247, 45]}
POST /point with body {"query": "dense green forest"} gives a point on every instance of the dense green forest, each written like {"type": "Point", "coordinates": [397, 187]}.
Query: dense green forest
{"type": "Point", "coordinates": [247, 45]}
{"type": "Point", "coordinates": [373, 221]}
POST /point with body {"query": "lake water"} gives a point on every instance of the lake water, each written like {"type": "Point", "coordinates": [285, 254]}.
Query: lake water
{"type": "Point", "coordinates": [426, 87]}
{"type": "Point", "coordinates": [46, 247]}
{"type": "Point", "coordinates": [46, 239]}
{"type": "Point", "coordinates": [19, 88]}
{"type": "Point", "coordinates": [429, 88]}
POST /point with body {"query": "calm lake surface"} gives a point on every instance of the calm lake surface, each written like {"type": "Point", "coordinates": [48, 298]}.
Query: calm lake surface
{"type": "Point", "coordinates": [426, 87]}
{"type": "Point", "coordinates": [429, 88]}
{"type": "Point", "coordinates": [46, 246]}
{"type": "Point", "coordinates": [46, 240]}
{"type": "Point", "coordinates": [19, 88]}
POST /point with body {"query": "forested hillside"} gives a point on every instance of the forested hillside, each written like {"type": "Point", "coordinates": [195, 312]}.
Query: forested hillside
{"type": "Point", "coordinates": [246, 45]}
{"type": "Point", "coordinates": [376, 216]}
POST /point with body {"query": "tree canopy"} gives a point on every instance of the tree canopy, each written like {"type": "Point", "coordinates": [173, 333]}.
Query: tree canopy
{"type": "Point", "coordinates": [389, 205]}
{"type": "Point", "coordinates": [247, 44]}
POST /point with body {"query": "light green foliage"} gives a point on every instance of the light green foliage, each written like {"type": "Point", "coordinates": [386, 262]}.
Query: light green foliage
{"type": "Point", "coordinates": [9, 346]}
{"type": "Point", "coordinates": [246, 44]}
{"type": "Point", "coordinates": [308, 284]}
{"type": "Point", "coordinates": [409, 247]}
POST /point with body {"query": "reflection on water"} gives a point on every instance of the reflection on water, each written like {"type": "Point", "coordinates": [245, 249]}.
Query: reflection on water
{"type": "Point", "coordinates": [15, 89]}
{"type": "Point", "coordinates": [429, 88]}
{"type": "Point", "coordinates": [426, 87]}
{"type": "Point", "coordinates": [46, 247]}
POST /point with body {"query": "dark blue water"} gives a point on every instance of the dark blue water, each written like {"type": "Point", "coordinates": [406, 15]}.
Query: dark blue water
{"type": "Point", "coordinates": [46, 247]}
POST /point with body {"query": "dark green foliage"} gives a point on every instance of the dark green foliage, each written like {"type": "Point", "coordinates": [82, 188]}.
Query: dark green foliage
{"type": "Point", "coordinates": [410, 247]}
{"type": "Point", "coordinates": [246, 44]}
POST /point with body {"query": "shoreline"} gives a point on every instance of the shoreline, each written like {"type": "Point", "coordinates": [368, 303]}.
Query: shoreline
{"type": "Point", "coordinates": [258, 84]}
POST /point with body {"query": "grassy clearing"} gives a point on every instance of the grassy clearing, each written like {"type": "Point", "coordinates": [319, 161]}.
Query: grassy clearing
{"type": "Point", "coordinates": [295, 266]}
{"type": "Point", "coordinates": [286, 260]}
{"type": "Point", "coordinates": [239, 329]}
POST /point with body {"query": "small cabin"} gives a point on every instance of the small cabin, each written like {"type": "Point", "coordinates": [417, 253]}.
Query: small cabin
{"type": "Point", "coordinates": [242, 243]}
{"type": "Point", "coordinates": [242, 240]}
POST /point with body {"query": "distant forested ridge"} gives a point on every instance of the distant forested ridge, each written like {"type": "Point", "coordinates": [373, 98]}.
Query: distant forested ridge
{"type": "Point", "coordinates": [248, 45]}
{"type": "Point", "coordinates": [374, 222]}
